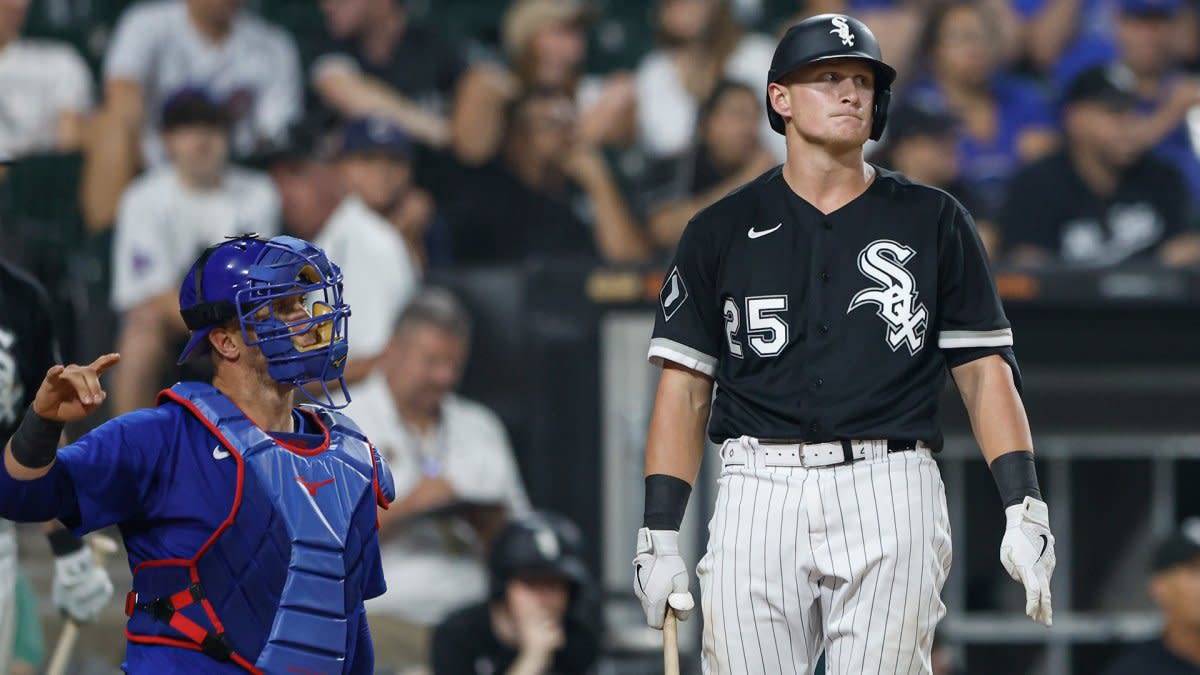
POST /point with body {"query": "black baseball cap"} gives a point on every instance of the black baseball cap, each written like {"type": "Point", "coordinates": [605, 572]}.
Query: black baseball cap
{"type": "Point", "coordinates": [1160, 9]}
{"type": "Point", "coordinates": [1181, 546]}
{"type": "Point", "coordinates": [1111, 86]}
{"type": "Point", "coordinates": [914, 118]}
{"type": "Point", "coordinates": [194, 106]}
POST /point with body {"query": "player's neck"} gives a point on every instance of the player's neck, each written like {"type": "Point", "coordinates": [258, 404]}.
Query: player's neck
{"type": "Point", "coordinates": [827, 181]}
{"type": "Point", "coordinates": [268, 407]}
{"type": "Point", "coordinates": [1183, 641]}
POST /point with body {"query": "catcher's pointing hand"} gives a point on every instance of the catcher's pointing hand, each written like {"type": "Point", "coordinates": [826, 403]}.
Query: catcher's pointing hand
{"type": "Point", "coordinates": [72, 392]}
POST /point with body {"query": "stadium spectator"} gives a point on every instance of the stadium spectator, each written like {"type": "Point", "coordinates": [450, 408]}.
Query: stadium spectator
{"type": "Point", "coordinates": [699, 45]}
{"type": "Point", "coordinates": [1006, 122]}
{"type": "Point", "coordinates": [45, 90]}
{"type": "Point", "coordinates": [1101, 200]}
{"type": "Point", "coordinates": [1064, 37]}
{"type": "Point", "coordinates": [379, 267]}
{"type": "Point", "coordinates": [161, 46]}
{"type": "Point", "coordinates": [921, 143]}
{"type": "Point", "coordinates": [167, 217]}
{"type": "Point", "coordinates": [531, 625]}
{"type": "Point", "coordinates": [550, 194]}
{"type": "Point", "coordinates": [456, 479]}
{"type": "Point", "coordinates": [379, 64]}
{"type": "Point", "coordinates": [1145, 29]}
{"type": "Point", "coordinates": [307, 181]}
{"type": "Point", "coordinates": [727, 153]}
{"type": "Point", "coordinates": [545, 42]}
{"type": "Point", "coordinates": [1175, 587]}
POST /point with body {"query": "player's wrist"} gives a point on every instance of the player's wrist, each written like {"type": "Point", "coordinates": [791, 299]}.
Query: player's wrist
{"type": "Point", "coordinates": [35, 443]}
{"type": "Point", "coordinates": [63, 543]}
{"type": "Point", "coordinates": [666, 501]}
{"type": "Point", "coordinates": [1016, 477]}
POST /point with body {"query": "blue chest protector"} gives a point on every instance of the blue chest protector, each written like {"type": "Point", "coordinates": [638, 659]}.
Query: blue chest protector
{"type": "Point", "coordinates": [272, 588]}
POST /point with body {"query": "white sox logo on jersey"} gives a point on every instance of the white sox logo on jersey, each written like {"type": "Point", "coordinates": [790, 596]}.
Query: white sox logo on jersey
{"type": "Point", "coordinates": [883, 261]}
{"type": "Point", "coordinates": [11, 391]}
{"type": "Point", "coordinates": [842, 29]}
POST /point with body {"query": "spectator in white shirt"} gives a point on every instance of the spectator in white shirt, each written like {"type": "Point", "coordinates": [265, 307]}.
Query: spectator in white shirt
{"type": "Point", "coordinates": [45, 90]}
{"type": "Point", "coordinates": [160, 46]}
{"type": "Point", "coordinates": [167, 217]}
{"type": "Point", "coordinates": [363, 237]}
{"type": "Point", "coordinates": [456, 480]}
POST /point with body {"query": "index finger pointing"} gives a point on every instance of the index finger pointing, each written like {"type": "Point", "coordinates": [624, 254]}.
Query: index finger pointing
{"type": "Point", "coordinates": [105, 362]}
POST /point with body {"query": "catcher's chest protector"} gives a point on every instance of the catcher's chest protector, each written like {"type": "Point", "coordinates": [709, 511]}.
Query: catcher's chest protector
{"type": "Point", "coordinates": [271, 589]}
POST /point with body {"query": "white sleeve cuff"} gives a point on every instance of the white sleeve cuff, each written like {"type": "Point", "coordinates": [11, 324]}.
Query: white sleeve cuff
{"type": "Point", "coordinates": [959, 339]}
{"type": "Point", "coordinates": [662, 349]}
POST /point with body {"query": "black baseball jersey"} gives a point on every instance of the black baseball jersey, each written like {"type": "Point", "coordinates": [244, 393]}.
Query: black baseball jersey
{"type": "Point", "coordinates": [820, 327]}
{"type": "Point", "coordinates": [27, 345]}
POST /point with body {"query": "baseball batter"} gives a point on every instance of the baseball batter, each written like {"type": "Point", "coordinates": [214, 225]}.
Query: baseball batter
{"type": "Point", "coordinates": [824, 302]}
{"type": "Point", "coordinates": [250, 522]}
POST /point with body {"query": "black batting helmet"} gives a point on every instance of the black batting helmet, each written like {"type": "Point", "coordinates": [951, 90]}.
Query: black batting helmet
{"type": "Point", "coordinates": [540, 543]}
{"type": "Point", "coordinates": [832, 36]}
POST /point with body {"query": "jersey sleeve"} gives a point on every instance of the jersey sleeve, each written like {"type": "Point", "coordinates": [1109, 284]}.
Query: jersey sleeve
{"type": "Point", "coordinates": [970, 311]}
{"type": "Point", "coordinates": [687, 325]}
{"type": "Point", "coordinates": [131, 53]}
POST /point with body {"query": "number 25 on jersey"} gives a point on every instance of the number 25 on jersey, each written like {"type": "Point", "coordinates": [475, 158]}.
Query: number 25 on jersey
{"type": "Point", "coordinates": [766, 331]}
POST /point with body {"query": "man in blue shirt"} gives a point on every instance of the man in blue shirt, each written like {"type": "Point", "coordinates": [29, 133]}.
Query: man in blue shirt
{"type": "Point", "coordinates": [250, 522]}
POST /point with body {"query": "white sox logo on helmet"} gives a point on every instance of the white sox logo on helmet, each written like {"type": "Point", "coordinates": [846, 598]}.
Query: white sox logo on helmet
{"type": "Point", "coordinates": [883, 261]}
{"type": "Point", "coordinates": [842, 28]}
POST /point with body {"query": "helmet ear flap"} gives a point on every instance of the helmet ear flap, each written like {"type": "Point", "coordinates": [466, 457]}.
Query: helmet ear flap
{"type": "Point", "coordinates": [879, 112]}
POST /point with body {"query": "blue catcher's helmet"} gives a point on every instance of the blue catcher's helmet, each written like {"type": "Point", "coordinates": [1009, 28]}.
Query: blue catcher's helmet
{"type": "Point", "coordinates": [242, 278]}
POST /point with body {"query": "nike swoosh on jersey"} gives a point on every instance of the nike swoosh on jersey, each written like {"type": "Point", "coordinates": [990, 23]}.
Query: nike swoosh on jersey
{"type": "Point", "coordinates": [218, 453]}
{"type": "Point", "coordinates": [755, 234]}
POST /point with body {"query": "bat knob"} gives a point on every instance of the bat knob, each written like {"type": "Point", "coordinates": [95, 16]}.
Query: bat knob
{"type": "Point", "coordinates": [681, 601]}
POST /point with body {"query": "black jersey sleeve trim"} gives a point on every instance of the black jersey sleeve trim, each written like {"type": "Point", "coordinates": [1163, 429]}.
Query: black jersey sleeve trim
{"type": "Point", "coordinates": [662, 349]}
{"type": "Point", "coordinates": [960, 339]}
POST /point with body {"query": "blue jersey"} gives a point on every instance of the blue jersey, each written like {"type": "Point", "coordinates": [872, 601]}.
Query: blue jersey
{"type": "Point", "coordinates": [164, 479]}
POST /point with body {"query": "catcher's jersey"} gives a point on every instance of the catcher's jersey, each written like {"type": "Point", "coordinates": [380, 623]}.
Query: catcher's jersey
{"type": "Point", "coordinates": [818, 326]}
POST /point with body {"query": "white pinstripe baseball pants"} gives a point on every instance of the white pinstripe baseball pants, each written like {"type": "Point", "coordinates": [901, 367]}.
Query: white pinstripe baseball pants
{"type": "Point", "coordinates": [850, 559]}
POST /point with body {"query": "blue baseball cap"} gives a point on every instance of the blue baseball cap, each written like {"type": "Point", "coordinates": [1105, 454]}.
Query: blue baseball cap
{"type": "Point", "coordinates": [1151, 8]}
{"type": "Point", "coordinates": [374, 135]}
{"type": "Point", "coordinates": [194, 106]}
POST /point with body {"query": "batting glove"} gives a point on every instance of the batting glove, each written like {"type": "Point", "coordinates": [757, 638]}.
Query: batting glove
{"type": "Point", "coordinates": [659, 572]}
{"type": "Point", "coordinates": [1027, 553]}
{"type": "Point", "coordinates": [81, 588]}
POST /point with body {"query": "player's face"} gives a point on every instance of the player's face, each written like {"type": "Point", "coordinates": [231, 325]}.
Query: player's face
{"type": "Point", "coordinates": [558, 50]}
{"type": "Point", "coordinates": [964, 51]}
{"type": "Point", "coordinates": [377, 179]}
{"type": "Point", "coordinates": [12, 18]}
{"type": "Point", "coordinates": [198, 151]}
{"type": "Point", "coordinates": [423, 364]}
{"type": "Point", "coordinates": [829, 102]}
{"type": "Point", "coordinates": [732, 128]}
{"type": "Point", "coordinates": [539, 594]}
{"type": "Point", "coordinates": [1146, 43]}
{"type": "Point", "coordinates": [1177, 592]}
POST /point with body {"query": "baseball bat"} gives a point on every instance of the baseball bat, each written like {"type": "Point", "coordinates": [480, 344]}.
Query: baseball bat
{"type": "Point", "coordinates": [102, 547]}
{"type": "Point", "coordinates": [684, 602]}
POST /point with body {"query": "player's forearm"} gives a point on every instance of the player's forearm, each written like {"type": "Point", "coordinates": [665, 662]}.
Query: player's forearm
{"type": "Point", "coordinates": [994, 406]}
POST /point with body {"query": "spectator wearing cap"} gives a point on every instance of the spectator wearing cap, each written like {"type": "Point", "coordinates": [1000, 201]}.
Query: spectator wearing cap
{"type": "Point", "coordinates": [699, 44]}
{"type": "Point", "coordinates": [545, 42]}
{"type": "Point", "coordinates": [549, 195]}
{"type": "Point", "coordinates": [1006, 121]}
{"type": "Point", "coordinates": [378, 63]}
{"type": "Point", "coordinates": [160, 47]}
{"type": "Point", "coordinates": [1175, 587]}
{"type": "Point", "coordinates": [727, 153]}
{"type": "Point", "coordinates": [1102, 199]}
{"type": "Point", "coordinates": [167, 216]}
{"type": "Point", "coordinates": [532, 624]}
{"type": "Point", "coordinates": [921, 143]}
{"type": "Point", "coordinates": [45, 90]}
{"type": "Point", "coordinates": [456, 478]}
{"type": "Point", "coordinates": [1147, 32]}
{"type": "Point", "coordinates": [301, 166]}
{"type": "Point", "coordinates": [379, 267]}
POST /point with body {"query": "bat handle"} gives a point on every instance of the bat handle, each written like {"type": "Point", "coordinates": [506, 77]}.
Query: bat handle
{"type": "Point", "coordinates": [670, 644]}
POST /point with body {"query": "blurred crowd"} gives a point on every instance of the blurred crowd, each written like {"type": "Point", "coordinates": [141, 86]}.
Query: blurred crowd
{"type": "Point", "coordinates": [555, 129]}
